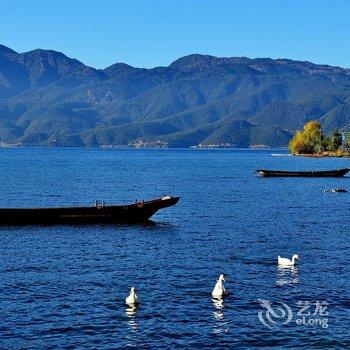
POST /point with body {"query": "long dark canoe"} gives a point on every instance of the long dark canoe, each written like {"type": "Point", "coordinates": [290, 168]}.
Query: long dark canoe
{"type": "Point", "coordinates": [279, 173]}
{"type": "Point", "coordinates": [131, 213]}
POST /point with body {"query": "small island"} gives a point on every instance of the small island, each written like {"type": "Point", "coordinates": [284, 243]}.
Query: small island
{"type": "Point", "coordinates": [312, 142]}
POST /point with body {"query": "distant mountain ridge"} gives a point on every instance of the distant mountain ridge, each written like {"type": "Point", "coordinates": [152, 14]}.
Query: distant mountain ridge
{"type": "Point", "coordinates": [49, 99]}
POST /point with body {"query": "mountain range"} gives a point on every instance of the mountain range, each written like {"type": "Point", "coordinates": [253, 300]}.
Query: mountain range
{"type": "Point", "coordinates": [49, 99]}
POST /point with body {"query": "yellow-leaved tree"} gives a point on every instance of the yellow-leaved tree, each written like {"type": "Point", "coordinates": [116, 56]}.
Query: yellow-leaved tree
{"type": "Point", "coordinates": [307, 141]}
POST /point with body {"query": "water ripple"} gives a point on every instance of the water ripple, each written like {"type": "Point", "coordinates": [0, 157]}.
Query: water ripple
{"type": "Point", "coordinates": [65, 286]}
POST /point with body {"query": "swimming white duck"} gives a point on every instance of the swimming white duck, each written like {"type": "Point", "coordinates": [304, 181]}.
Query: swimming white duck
{"type": "Point", "coordinates": [285, 262]}
{"type": "Point", "coordinates": [219, 289]}
{"type": "Point", "coordinates": [132, 298]}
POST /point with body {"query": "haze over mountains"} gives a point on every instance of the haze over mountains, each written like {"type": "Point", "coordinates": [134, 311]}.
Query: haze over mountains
{"type": "Point", "coordinates": [49, 99]}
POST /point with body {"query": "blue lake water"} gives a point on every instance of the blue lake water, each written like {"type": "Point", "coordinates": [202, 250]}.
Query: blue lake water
{"type": "Point", "coordinates": [64, 287]}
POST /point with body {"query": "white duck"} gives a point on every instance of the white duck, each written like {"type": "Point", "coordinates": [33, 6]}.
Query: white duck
{"type": "Point", "coordinates": [132, 298]}
{"type": "Point", "coordinates": [219, 289]}
{"type": "Point", "coordinates": [284, 262]}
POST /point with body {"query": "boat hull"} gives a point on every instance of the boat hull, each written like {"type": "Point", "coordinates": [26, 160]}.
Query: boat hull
{"type": "Point", "coordinates": [131, 213]}
{"type": "Point", "coordinates": [282, 173]}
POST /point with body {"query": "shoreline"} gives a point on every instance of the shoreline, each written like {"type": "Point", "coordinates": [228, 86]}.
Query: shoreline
{"type": "Point", "coordinates": [323, 155]}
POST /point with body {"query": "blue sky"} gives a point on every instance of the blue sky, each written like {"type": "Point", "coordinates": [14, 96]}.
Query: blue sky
{"type": "Point", "coordinates": [149, 33]}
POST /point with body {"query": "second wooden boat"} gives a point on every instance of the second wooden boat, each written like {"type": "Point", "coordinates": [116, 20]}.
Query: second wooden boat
{"type": "Point", "coordinates": [279, 173]}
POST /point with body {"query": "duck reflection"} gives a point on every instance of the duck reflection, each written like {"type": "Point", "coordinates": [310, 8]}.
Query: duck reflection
{"type": "Point", "coordinates": [131, 313]}
{"type": "Point", "coordinates": [219, 306]}
{"type": "Point", "coordinates": [221, 324]}
{"type": "Point", "coordinates": [287, 276]}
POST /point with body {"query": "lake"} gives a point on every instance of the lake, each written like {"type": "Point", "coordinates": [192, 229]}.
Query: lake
{"type": "Point", "coordinates": [64, 287]}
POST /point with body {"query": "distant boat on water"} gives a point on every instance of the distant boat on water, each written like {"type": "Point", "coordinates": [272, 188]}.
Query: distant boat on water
{"type": "Point", "coordinates": [284, 173]}
{"type": "Point", "coordinates": [137, 212]}
{"type": "Point", "coordinates": [281, 154]}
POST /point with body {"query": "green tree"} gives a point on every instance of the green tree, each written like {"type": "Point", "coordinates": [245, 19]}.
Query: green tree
{"type": "Point", "coordinates": [347, 144]}
{"type": "Point", "coordinates": [336, 140]}
{"type": "Point", "coordinates": [326, 143]}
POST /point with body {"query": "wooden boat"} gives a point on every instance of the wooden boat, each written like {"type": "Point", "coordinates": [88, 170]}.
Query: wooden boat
{"type": "Point", "coordinates": [279, 173]}
{"type": "Point", "coordinates": [131, 213]}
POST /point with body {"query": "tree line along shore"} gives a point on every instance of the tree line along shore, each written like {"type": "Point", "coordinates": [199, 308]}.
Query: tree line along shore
{"type": "Point", "coordinates": [311, 141]}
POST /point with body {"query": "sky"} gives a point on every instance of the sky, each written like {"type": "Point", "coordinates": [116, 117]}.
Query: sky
{"type": "Point", "coordinates": [150, 33]}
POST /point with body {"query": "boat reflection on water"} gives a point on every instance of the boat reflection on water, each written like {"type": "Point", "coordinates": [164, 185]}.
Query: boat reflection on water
{"type": "Point", "coordinates": [131, 313]}
{"type": "Point", "coordinates": [221, 325]}
{"type": "Point", "coordinates": [287, 276]}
